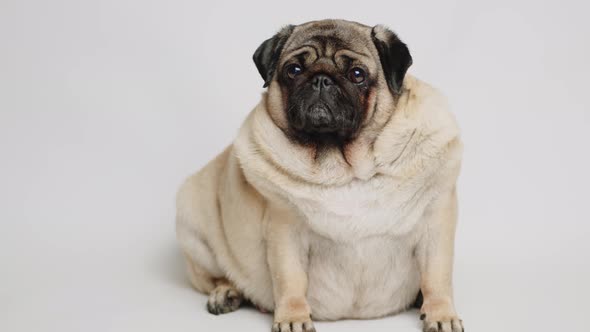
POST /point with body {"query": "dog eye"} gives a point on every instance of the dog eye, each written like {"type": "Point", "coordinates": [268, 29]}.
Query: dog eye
{"type": "Point", "coordinates": [294, 70]}
{"type": "Point", "coordinates": [356, 75]}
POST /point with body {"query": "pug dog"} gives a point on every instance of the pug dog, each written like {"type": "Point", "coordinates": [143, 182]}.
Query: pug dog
{"type": "Point", "coordinates": [338, 197]}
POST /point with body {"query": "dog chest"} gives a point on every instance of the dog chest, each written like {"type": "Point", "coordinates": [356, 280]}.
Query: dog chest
{"type": "Point", "coordinates": [375, 207]}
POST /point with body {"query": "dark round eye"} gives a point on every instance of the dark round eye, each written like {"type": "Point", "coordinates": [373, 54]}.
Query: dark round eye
{"type": "Point", "coordinates": [294, 70]}
{"type": "Point", "coordinates": [356, 75]}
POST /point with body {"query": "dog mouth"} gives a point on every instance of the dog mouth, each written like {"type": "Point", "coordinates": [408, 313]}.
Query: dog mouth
{"type": "Point", "coordinates": [312, 117]}
{"type": "Point", "coordinates": [320, 118]}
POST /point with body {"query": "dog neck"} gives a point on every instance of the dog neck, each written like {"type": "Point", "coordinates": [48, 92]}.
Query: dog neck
{"type": "Point", "coordinates": [382, 148]}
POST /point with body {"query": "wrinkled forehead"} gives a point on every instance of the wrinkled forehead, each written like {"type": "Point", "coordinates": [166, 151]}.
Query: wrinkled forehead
{"type": "Point", "coordinates": [329, 39]}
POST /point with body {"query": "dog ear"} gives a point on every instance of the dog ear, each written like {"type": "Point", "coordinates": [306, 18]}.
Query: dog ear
{"type": "Point", "coordinates": [267, 54]}
{"type": "Point", "coordinates": [394, 55]}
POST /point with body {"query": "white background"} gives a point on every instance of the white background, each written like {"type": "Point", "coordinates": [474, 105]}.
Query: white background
{"type": "Point", "coordinates": [105, 106]}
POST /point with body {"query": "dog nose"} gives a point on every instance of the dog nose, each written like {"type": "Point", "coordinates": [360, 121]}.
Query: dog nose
{"type": "Point", "coordinates": [321, 81]}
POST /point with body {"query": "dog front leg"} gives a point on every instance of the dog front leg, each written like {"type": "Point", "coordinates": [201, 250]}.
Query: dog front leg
{"type": "Point", "coordinates": [286, 257]}
{"type": "Point", "coordinates": [435, 258]}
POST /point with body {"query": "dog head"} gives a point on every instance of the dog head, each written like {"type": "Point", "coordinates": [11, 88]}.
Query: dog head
{"type": "Point", "coordinates": [324, 77]}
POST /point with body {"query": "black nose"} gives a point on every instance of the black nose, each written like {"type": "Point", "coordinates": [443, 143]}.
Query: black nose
{"type": "Point", "coordinates": [321, 81]}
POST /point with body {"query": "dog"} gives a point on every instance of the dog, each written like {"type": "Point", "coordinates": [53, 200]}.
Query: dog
{"type": "Point", "coordinates": [338, 197]}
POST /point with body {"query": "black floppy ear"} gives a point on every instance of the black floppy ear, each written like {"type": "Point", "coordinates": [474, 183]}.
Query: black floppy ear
{"type": "Point", "coordinates": [394, 55]}
{"type": "Point", "coordinates": [267, 54]}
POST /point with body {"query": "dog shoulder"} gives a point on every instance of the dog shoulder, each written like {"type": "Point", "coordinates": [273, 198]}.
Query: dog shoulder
{"type": "Point", "coordinates": [422, 133]}
{"type": "Point", "coordinates": [429, 110]}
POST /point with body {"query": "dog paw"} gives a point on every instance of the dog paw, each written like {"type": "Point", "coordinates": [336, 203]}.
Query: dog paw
{"type": "Point", "coordinates": [301, 326]}
{"type": "Point", "coordinates": [440, 316]}
{"type": "Point", "coordinates": [293, 315]}
{"type": "Point", "coordinates": [224, 299]}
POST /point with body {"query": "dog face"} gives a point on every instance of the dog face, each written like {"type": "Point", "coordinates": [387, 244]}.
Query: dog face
{"type": "Point", "coordinates": [327, 74]}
